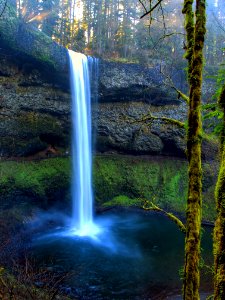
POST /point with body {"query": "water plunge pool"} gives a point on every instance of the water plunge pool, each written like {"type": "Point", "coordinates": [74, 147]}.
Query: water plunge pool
{"type": "Point", "coordinates": [136, 255]}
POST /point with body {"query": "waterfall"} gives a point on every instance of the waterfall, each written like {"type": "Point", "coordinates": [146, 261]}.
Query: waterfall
{"type": "Point", "coordinates": [82, 195]}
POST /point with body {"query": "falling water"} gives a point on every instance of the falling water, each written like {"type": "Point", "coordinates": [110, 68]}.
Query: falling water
{"type": "Point", "coordinates": [82, 195]}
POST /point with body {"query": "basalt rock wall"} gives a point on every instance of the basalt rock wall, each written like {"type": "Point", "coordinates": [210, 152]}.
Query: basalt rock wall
{"type": "Point", "coordinates": [35, 110]}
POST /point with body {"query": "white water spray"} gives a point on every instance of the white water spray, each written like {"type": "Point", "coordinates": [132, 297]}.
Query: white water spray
{"type": "Point", "coordinates": [82, 195]}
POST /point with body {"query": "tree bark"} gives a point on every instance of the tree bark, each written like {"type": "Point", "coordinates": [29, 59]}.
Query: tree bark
{"type": "Point", "coordinates": [195, 41]}
{"type": "Point", "coordinates": [219, 230]}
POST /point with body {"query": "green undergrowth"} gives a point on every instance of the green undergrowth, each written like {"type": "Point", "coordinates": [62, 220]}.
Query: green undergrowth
{"type": "Point", "coordinates": [125, 201]}
{"type": "Point", "coordinates": [117, 181]}
{"type": "Point", "coordinates": [129, 181]}
{"type": "Point", "coordinates": [41, 180]}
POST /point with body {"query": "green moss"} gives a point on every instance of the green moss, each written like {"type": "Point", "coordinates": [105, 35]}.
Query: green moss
{"type": "Point", "coordinates": [163, 181]}
{"type": "Point", "coordinates": [117, 180]}
{"type": "Point", "coordinates": [221, 100]}
{"type": "Point", "coordinates": [42, 180]}
{"type": "Point", "coordinates": [219, 230]}
{"type": "Point", "coordinates": [195, 31]}
{"type": "Point", "coordinates": [123, 200]}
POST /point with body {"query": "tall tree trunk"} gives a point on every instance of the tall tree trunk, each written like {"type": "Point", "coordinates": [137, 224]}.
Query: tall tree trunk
{"type": "Point", "coordinates": [190, 28]}
{"type": "Point", "coordinates": [195, 43]}
{"type": "Point", "coordinates": [219, 230]}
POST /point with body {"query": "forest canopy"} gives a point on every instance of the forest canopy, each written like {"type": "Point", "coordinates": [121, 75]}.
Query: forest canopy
{"type": "Point", "coordinates": [114, 29]}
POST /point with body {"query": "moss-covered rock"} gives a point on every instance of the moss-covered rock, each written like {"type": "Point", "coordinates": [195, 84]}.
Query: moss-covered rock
{"type": "Point", "coordinates": [130, 180]}
{"type": "Point", "coordinates": [35, 104]}
{"type": "Point", "coordinates": [33, 114]}
{"type": "Point", "coordinates": [163, 181]}
{"type": "Point", "coordinates": [42, 182]}
{"type": "Point", "coordinates": [117, 181]}
{"type": "Point", "coordinates": [124, 201]}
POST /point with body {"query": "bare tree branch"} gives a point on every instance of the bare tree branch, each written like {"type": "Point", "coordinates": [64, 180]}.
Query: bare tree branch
{"type": "Point", "coordinates": [149, 117]}
{"type": "Point", "coordinates": [171, 84]}
{"type": "Point", "coordinates": [170, 34]}
{"type": "Point", "coordinates": [143, 5]}
{"type": "Point", "coordinates": [164, 23]}
{"type": "Point", "coordinates": [153, 7]}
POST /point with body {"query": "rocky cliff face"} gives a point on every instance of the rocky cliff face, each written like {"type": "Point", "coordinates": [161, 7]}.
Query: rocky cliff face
{"type": "Point", "coordinates": [133, 82]}
{"type": "Point", "coordinates": [35, 110]}
{"type": "Point", "coordinates": [119, 129]}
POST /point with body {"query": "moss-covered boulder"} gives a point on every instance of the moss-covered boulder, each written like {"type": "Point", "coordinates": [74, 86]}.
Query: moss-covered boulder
{"type": "Point", "coordinates": [29, 133]}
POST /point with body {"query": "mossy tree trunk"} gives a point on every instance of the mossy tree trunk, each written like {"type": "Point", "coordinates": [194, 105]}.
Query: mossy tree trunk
{"type": "Point", "coordinates": [219, 230]}
{"type": "Point", "coordinates": [195, 29]}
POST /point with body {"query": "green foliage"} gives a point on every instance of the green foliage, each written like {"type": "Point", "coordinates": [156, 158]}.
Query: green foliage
{"type": "Point", "coordinates": [79, 40]}
{"type": "Point", "coordinates": [213, 111]}
{"type": "Point", "coordinates": [213, 115]}
{"type": "Point", "coordinates": [125, 201]}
